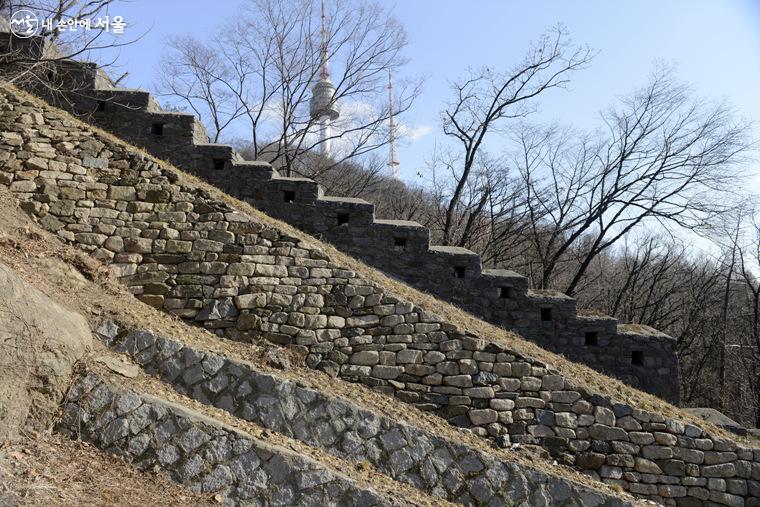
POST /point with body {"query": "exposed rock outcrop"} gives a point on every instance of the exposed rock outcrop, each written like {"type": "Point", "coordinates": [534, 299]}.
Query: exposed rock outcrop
{"type": "Point", "coordinates": [40, 342]}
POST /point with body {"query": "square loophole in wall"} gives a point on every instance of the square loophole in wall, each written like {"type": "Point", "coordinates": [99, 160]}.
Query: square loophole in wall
{"type": "Point", "coordinates": [637, 358]}
{"type": "Point", "coordinates": [157, 129]}
{"type": "Point", "coordinates": [100, 106]}
{"type": "Point", "coordinates": [505, 292]}
{"type": "Point", "coordinates": [591, 339]}
{"type": "Point", "coordinates": [399, 244]}
{"type": "Point", "coordinates": [343, 218]}
{"type": "Point", "coordinates": [459, 271]}
{"type": "Point", "coordinates": [546, 314]}
{"type": "Point", "coordinates": [289, 195]}
{"type": "Point", "coordinates": [219, 164]}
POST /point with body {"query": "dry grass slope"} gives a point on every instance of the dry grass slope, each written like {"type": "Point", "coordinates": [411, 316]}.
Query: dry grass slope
{"type": "Point", "coordinates": [54, 470]}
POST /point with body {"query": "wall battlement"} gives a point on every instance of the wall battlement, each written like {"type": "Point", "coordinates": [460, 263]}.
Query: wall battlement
{"type": "Point", "coordinates": [646, 360]}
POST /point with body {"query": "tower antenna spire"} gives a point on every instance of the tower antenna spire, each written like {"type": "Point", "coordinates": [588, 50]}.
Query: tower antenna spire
{"type": "Point", "coordinates": [392, 161]}
{"type": "Point", "coordinates": [325, 57]}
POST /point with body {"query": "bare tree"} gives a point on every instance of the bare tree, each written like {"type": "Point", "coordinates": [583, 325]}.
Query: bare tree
{"type": "Point", "coordinates": [486, 98]}
{"type": "Point", "coordinates": [400, 201]}
{"type": "Point", "coordinates": [201, 81]}
{"type": "Point", "coordinates": [490, 217]}
{"type": "Point", "coordinates": [347, 178]}
{"type": "Point", "coordinates": [35, 62]}
{"type": "Point", "coordinates": [656, 280]}
{"type": "Point", "coordinates": [258, 75]}
{"type": "Point", "coordinates": [666, 159]}
{"type": "Point", "coordinates": [742, 351]}
{"type": "Point", "coordinates": [707, 299]}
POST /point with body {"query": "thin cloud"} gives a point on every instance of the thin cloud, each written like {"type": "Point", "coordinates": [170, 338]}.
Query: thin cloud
{"type": "Point", "coordinates": [415, 133]}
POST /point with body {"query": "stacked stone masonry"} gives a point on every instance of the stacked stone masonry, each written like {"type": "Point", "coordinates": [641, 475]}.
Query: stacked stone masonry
{"type": "Point", "coordinates": [406, 453]}
{"type": "Point", "coordinates": [181, 249]}
{"type": "Point", "coordinates": [203, 454]}
{"type": "Point", "coordinates": [643, 358]}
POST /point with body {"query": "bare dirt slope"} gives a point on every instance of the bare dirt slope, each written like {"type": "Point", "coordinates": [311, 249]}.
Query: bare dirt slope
{"type": "Point", "coordinates": [53, 470]}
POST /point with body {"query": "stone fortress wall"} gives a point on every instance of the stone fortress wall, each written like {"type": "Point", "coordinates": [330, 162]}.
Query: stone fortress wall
{"type": "Point", "coordinates": [180, 248]}
{"type": "Point", "coordinates": [637, 355]}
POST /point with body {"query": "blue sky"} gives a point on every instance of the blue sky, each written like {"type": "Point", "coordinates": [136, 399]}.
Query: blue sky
{"type": "Point", "coordinates": [715, 45]}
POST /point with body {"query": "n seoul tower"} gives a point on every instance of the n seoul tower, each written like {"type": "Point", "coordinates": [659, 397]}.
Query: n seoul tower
{"type": "Point", "coordinates": [323, 106]}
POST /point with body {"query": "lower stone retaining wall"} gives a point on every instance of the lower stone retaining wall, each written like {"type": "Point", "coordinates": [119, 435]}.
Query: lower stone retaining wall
{"type": "Point", "coordinates": [202, 454]}
{"type": "Point", "coordinates": [405, 453]}
{"type": "Point", "coordinates": [188, 252]}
